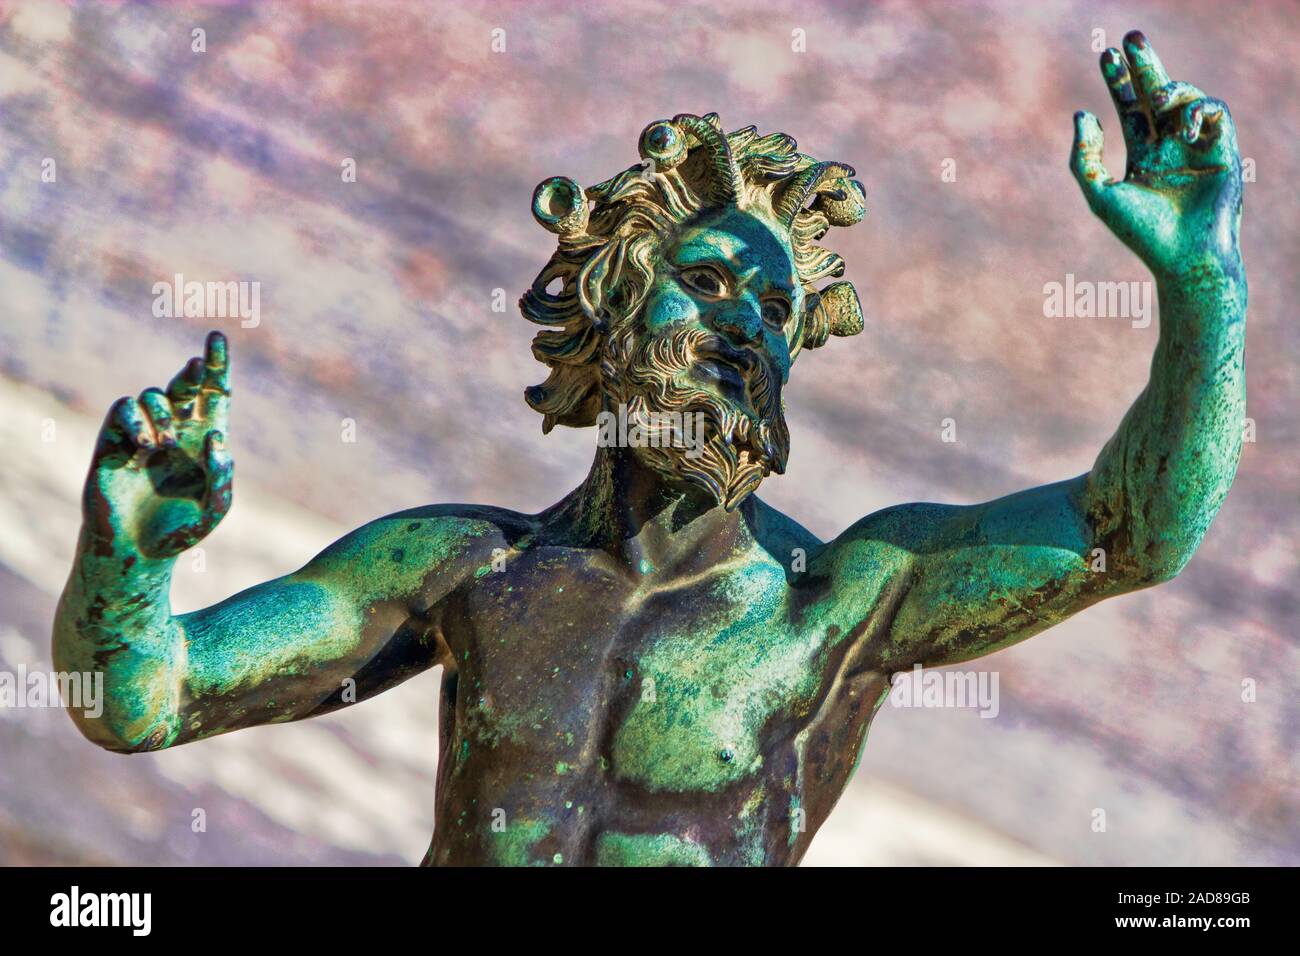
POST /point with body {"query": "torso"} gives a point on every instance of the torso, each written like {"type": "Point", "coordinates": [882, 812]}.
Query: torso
{"type": "Point", "coordinates": [599, 715]}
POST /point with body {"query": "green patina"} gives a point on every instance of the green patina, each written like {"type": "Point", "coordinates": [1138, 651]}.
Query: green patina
{"type": "Point", "coordinates": [661, 645]}
{"type": "Point", "coordinates": [513, 845]}
{"type": "Point", "coordinates": [715, 689]}
{"type": "Point", "coordinates": [649, 849]}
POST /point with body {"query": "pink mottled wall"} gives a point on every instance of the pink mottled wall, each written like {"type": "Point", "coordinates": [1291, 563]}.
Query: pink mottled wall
{"type": "Point", "coordinates": [377, 302]}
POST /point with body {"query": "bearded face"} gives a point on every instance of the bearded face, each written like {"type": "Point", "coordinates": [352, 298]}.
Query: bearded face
{"type": "Point", "coordinates": [711, 345]}
{"type": "Point", "coordinates": [705, 413]}
{"type": "Point", "coordinates": [703, 323]}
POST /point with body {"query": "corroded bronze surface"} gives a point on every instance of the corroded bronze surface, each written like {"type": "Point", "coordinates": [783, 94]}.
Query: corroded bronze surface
{"type": "Point", "coordinates": [660, 668]}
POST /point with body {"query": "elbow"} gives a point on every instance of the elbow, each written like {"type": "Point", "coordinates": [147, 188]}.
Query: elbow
{"type": "Point", "coordinates": [1148, 552]}
{"type": "Point", "coordinates": [116, 709]}
{"type": "Point", "coordinates": [1161, 572]}
{"type": "Point", "coordinates": [99, 731]}
{"type": "Point", "coordinates": [117, 736]}
{"type": "Point", "coordinates": [1159, 564]}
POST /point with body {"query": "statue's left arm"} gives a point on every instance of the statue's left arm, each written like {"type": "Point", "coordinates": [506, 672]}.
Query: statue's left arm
{"type": "Point", "coordinates": [970, 580]}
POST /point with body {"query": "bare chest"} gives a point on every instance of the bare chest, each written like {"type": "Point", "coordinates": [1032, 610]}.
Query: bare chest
{"type": "Point", "coordinates": [584, 701]}
{"type": "Point", "coordinates": [697, 666]}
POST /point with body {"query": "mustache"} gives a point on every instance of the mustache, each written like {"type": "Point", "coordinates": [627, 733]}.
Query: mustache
{"type": "Point", "coordinates": [679, 353]}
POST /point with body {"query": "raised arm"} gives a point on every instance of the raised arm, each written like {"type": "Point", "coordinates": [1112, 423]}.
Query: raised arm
{"type": "Point", "coordinates": [975, 579]}
{"type": "Point", "coordinates": [351, 623]}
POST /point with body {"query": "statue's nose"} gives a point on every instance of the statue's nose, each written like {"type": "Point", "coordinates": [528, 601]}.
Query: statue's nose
{"type": "Point", "coordinates": [738, 325]}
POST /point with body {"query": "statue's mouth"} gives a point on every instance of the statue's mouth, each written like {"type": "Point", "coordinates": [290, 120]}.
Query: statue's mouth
{"type": "Point", "coordinates": [730, 370]}
{"type": "Point", "coordinates": [736, 375]}
{"type": "Point", "coordinates": [722, 374]}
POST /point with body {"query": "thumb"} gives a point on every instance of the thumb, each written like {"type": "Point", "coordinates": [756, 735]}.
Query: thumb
{"type": "Point", "coordinates": [1086, 163]}
{"type": "Point", "coordinates": [220, 471]}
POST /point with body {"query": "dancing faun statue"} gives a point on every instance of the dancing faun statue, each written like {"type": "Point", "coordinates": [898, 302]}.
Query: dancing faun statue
{"type": "Point", "coordinates": [660, 668]}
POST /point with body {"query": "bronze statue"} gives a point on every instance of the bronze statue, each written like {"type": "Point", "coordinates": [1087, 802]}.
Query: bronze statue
{"type": "Point", "coordinates": [661, 668]}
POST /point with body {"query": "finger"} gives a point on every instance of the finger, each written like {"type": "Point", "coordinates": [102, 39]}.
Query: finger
{"type": "Point", "coordinates": [159, 412]}
{"type": "Point", "coordinates": [1086, 160]}
{"type": "Point", "coordinates": [1217, 136]}
{"type": "Point", "coordinates": [220, 472]}
{"type": "Point", "coordinates": [216, 364]}
{"type": "Point", "coordinates": [131, 420]}
{"type": "Point", "coordinates": [1217, 115]}
{"type": "Point", "coordinates": [220, 468]}
{"type": "Point", "coordinates": [1133, 121]}
{"type": "Point", "coordinates": [185, 386]}
{"type": "Point", "coordinates": [114, 439]}
{"type": "Point", "coordinates": [216, 381]}
{"type": "Point", "coordinates": [1193, 117]}
{"type": "Point", "coordinates": [1174, 95]}
{"type": "Point", "coordinates": [1148, 72]}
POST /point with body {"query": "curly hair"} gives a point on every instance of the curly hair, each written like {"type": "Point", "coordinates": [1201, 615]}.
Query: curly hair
{"type": "Point", "coordinates": [609, 234]}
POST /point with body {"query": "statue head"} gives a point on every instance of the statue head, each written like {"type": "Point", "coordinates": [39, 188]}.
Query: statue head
{"type": "Point", "coordinates": [686, 285]}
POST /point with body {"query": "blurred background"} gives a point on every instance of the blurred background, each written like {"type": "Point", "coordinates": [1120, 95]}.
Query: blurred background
{"type": "Point", "coordinates": [377, 306]}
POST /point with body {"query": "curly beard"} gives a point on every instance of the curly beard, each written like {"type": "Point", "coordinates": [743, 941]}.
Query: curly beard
{"type": "Point", "coordinates": [651, 377]}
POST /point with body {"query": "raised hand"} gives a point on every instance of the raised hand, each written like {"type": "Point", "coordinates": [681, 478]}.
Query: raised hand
{"type": "Point", "coordinates": [160, 479]}
{"type": "Point", "coordinates": [1180, 200]}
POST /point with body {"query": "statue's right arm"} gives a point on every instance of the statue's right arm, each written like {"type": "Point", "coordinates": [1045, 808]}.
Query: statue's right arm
{"type": "Point", "coordinates": [359, 618]}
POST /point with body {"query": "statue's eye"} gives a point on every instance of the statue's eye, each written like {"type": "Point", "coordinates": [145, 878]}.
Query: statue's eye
{"type": "Point", "coordinates": [776, 312]}
{"type": "Point", "coordinates": [705, 281]}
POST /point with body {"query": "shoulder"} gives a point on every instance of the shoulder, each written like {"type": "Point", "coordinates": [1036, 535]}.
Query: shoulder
{"type": "Point", "coordinates": [778, 534]}
{"type": "Point", "coordinates": [884, 546]}
{"type": "Point", "coordinates": [889, 536]}
{"type": "Point", "coordinates": [462, 522]}
{"type": "Point", "coordinates": [407, 547]}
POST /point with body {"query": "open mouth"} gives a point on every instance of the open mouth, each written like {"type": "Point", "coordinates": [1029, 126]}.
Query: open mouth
{"type": "Point", "coordinates": [728, 369]}
{"type": "Point", "coordinates": [733, 374]}
{"type": "Point", "coordinates": [729, 378]}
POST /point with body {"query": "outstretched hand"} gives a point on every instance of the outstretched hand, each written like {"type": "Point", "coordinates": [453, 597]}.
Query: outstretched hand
{"type": "Point", "coordinates": [1180, 199]}
{"type": "Point", "coordinates": [160, 479]}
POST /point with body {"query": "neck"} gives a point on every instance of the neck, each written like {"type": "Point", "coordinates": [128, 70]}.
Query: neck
{"type": "Point", "coordinates": [645, 521]}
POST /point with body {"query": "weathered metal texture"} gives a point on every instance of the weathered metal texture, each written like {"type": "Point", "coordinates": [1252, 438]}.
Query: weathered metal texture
{"type": "Point", "coordinates": [660, 668]}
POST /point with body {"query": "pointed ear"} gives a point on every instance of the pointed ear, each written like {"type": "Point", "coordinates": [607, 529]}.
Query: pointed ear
{"type": "Point", "coordinates": [833, 311]}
